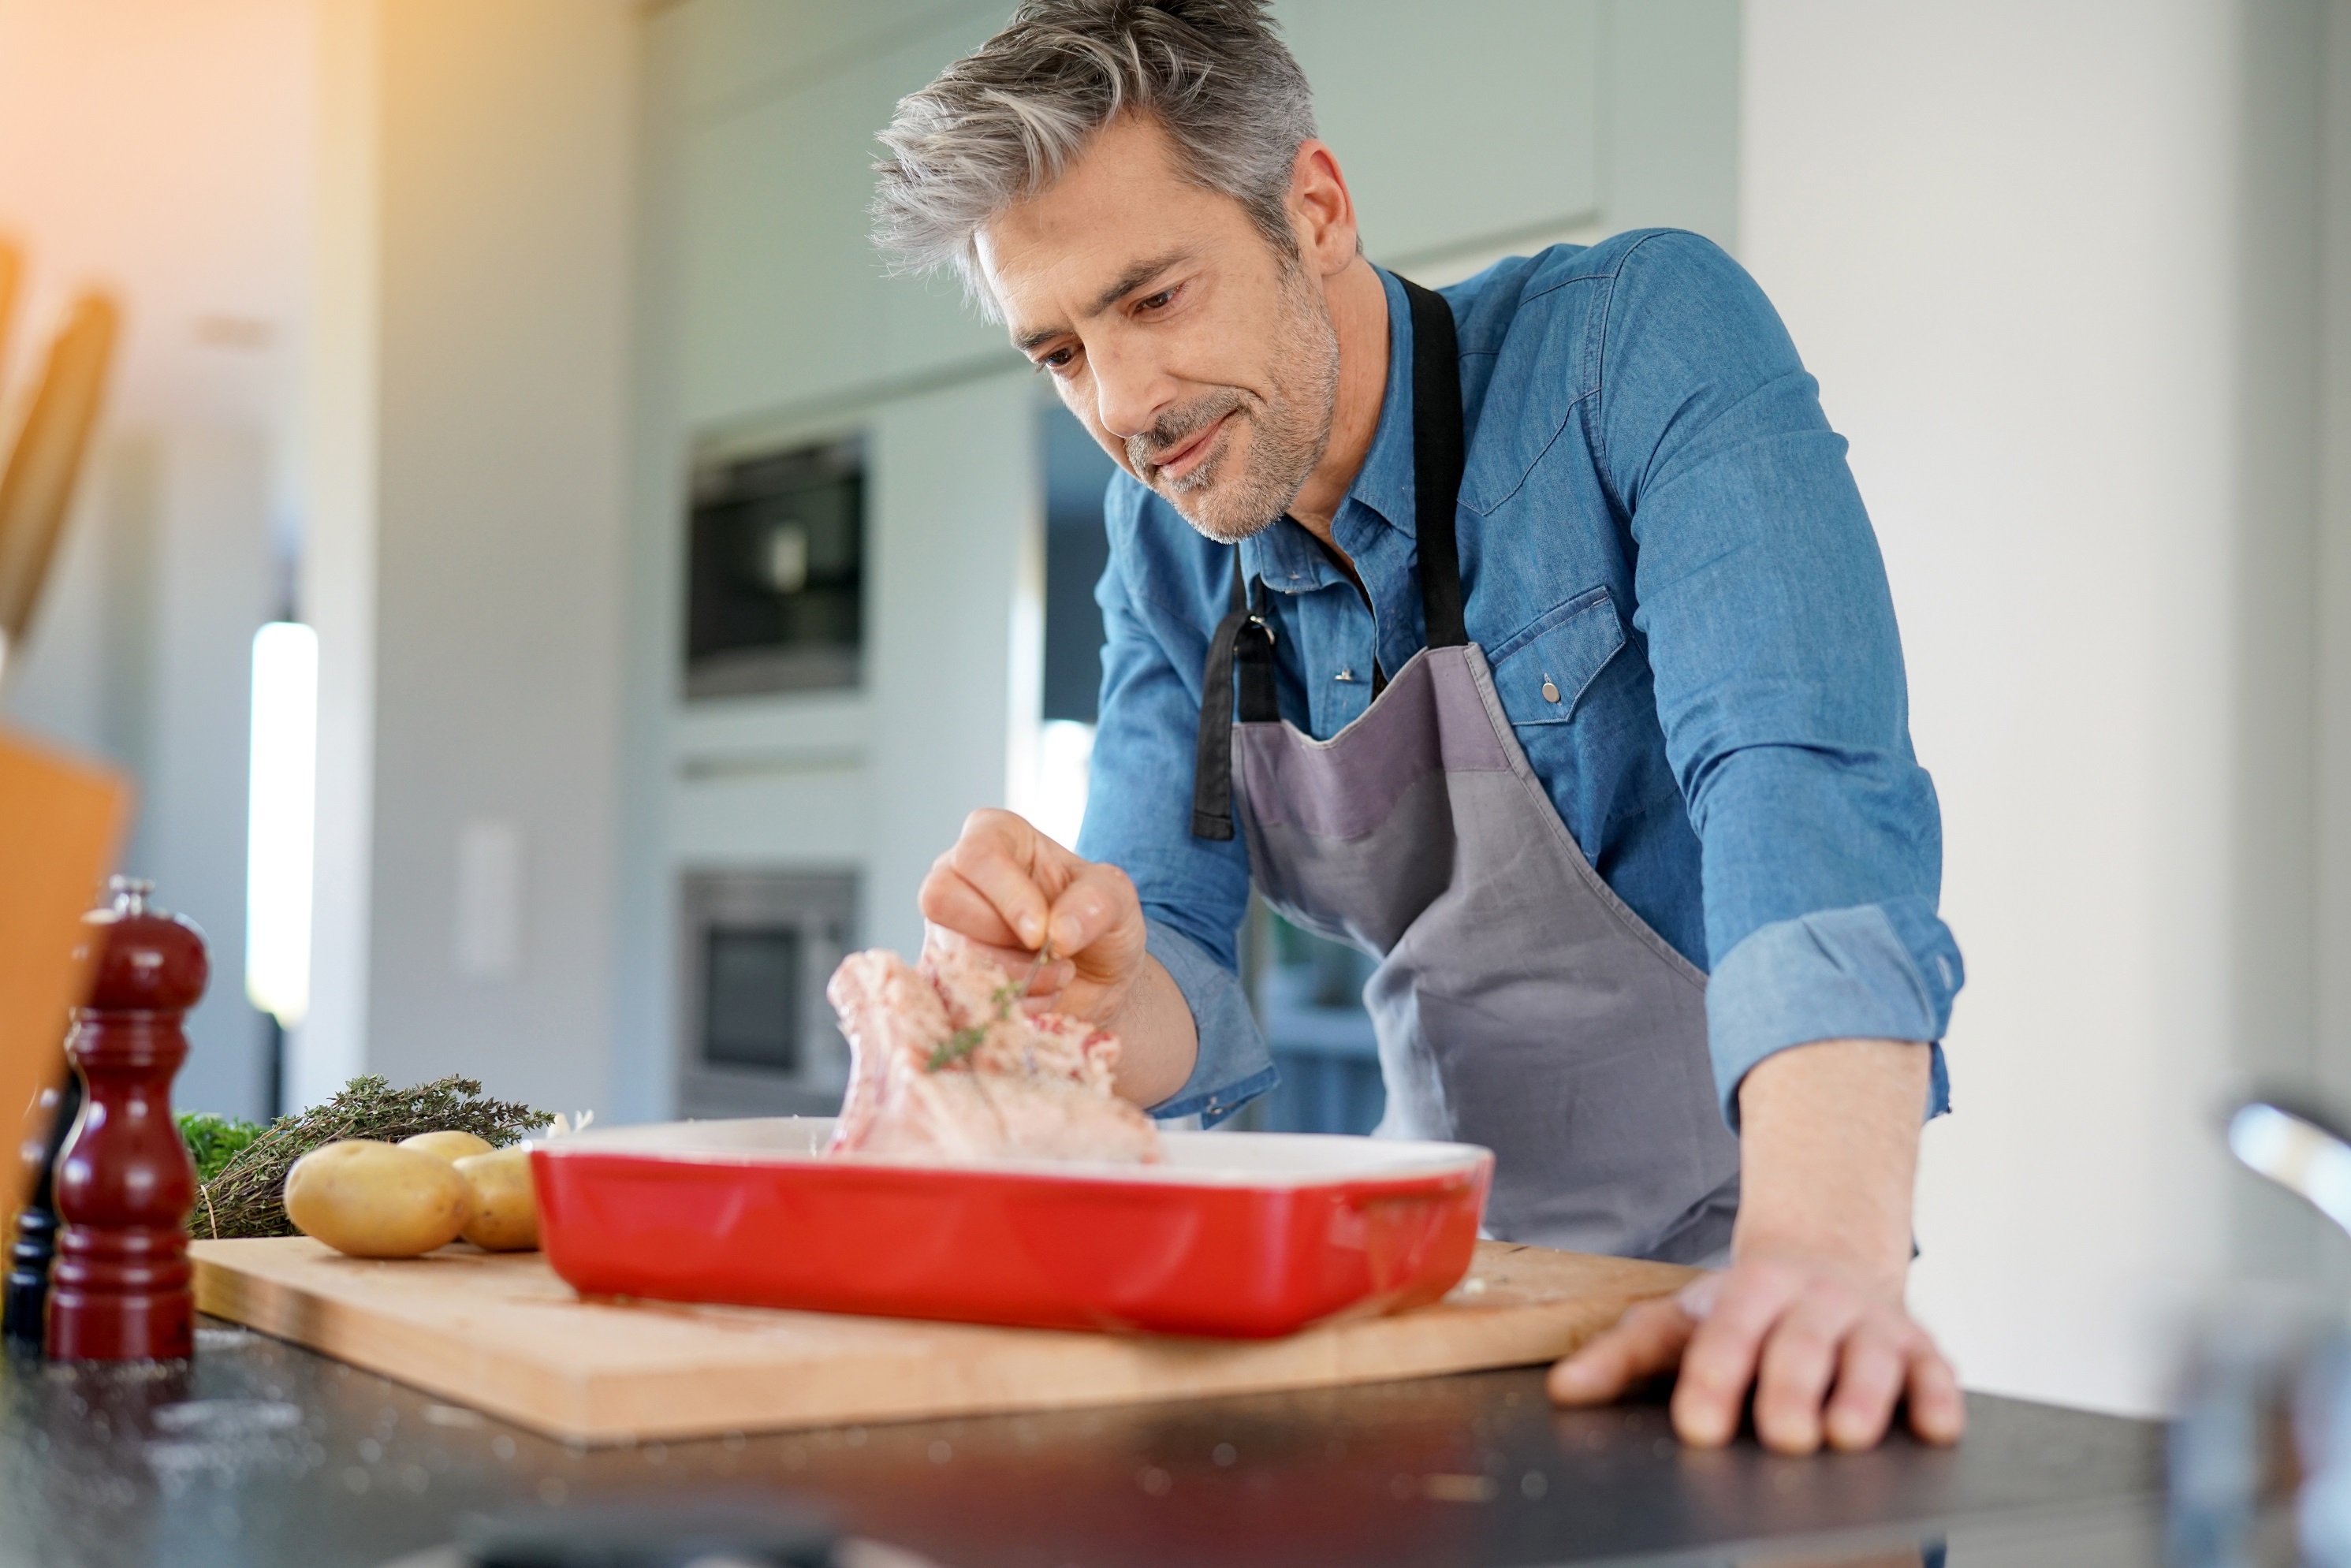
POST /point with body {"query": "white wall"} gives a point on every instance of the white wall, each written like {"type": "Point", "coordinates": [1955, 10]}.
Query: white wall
{"type": "Point", "coordinates": [2332, 863]}
{"type": "Point", "coordinates": [216, 579]}
{"type": "Point", "coordinates": [2054, 268]}
{"type": "Point", "coordinates": [464, 562]}
{"type": "Point", "coordinates": [141, 654]}
{"type": "Point", "coordinates": [338, 585]}
{"type": "Point", "coordinates": [1488, 127]}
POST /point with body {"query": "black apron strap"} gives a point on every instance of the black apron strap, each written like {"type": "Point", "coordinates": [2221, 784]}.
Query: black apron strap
{"type": "Point", "coordinates": [1437, 456]}
{"type": "Point", "coordinates": [1242, 643]}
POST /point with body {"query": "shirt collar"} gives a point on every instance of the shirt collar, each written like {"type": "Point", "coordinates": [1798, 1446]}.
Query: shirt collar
{"type": "Point", "coordinates": [1285, 555]}
{"type": "Point", "coordinates": [1385, 481]}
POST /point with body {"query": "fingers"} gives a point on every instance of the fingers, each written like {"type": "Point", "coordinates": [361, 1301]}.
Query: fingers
{"type": "Point", "coordinates": [1037, 983]}
{"type": "Point", "coordinates": [1801, 1356]}
{"type": "Point", "coordinates": [1827, 1361]}
{"type": "Point", "coordinates": [1646, 1341]}
{"type": "Point", "coordinates": [987, 885]}
{"type": "Point", "coordinates": [1011, 890]}
{"type": "Point", "coordinates": [1097, 903]}
{"type": "Point", "coordinates": [1710, 1395]}
{"type": "Point", "coordinates": [953, 904]}
{"type": "Point", "coordinates": [1041, 983]}
{"type": "Point", "coordinates": [1005, 889]}
{"type": "Point", "coordinates": [1869, 1380]}
{"type": "Point", "coordinates": [1939, 1411]}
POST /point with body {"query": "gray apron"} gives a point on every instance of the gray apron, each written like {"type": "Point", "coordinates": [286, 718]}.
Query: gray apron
{"type": "Point", "coordinates": [1519, 1003]}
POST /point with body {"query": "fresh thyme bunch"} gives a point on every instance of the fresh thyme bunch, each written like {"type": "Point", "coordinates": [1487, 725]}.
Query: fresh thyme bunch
{"type": "Point", "coordinates": [247, 1198]}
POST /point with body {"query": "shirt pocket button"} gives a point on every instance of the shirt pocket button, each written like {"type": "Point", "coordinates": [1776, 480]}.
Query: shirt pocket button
{"type": "Point", "coordinates": [1549, 663]}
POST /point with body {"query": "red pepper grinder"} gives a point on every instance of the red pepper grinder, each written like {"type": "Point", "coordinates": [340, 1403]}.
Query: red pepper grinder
{"type": "Point", "coordinates": [119, 1288]}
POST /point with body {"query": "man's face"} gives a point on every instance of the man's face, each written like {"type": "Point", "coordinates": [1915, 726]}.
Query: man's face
{"type": "Point", "coordinates": [1201, 358]}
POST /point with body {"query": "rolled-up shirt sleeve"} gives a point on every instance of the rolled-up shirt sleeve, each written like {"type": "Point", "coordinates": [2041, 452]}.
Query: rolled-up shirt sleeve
{"type": "Point", "coordinates": [1770, 632]}
{"type": "Point", "coordinates": [1233, 1067]}
{"type": "Point", "coordinates": [1195, 892]}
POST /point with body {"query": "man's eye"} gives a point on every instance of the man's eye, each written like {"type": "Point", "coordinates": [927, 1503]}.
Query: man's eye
{"type": "Point", "coordinates": [1059, 359]}
{"type": "Point", "coordinates": [1158, 300]}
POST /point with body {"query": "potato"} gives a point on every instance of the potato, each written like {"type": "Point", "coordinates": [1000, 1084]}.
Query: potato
{"type": "Point", "coordinates": [374, 1199]}
{"type": "Point", "coordinates": [505, 1203]}
{"type": "Point", "coordinates": [451, 1146]}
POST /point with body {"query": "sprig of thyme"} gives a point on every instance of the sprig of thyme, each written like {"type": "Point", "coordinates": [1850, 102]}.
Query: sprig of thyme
{"type": "Point", "coordinates": [959, 1045]}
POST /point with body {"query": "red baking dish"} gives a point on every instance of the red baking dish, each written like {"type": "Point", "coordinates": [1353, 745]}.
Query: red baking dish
{"type": "Point", "coordinates": [1240, 1235]}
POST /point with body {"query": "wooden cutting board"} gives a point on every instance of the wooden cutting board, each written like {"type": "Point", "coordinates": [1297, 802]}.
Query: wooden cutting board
{"type": "Point", "coordinates": [499, 1332]}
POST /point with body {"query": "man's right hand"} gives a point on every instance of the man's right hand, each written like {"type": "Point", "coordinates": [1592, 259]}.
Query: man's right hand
{"type": "Point", "coordinates": [1008, 890]}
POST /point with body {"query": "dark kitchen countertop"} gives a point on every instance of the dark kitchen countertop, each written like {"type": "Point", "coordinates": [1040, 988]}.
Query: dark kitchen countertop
{"type": "Point", "coordinates": [265, 1454]}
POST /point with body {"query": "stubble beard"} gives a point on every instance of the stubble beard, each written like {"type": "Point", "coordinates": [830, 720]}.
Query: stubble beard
{"type": "Point", "coordinates": [1229, 497]}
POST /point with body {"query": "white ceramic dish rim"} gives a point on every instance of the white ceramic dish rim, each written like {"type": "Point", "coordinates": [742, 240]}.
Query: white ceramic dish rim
{"type": "Point", "coordinates": [1270, 1160]}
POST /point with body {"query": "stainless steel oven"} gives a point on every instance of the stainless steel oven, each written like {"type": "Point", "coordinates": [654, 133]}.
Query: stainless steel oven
{"type": "Point", "coordinates": [754, 949]}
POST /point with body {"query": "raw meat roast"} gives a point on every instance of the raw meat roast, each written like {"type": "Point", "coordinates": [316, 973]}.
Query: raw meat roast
{"type": "Point", "coordinates": [946, 1065]}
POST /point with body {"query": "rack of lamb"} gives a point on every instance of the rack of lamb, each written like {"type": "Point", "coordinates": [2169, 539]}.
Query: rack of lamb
{"type": "Point", "coordinates": [947, 1065]}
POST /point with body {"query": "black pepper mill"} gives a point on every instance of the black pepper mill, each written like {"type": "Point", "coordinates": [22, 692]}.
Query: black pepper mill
{"type": "Point", "coordinates": [24, 1305]}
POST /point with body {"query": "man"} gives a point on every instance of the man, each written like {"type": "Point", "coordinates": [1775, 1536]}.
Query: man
{"type": "Point", "coordinates": [1566, 673]}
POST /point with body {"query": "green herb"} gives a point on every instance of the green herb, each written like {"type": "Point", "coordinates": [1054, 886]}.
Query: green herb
{"type": "Point", "coordinates": [214, 1141]}
{"type": "Point", "coordinates": [957, 1046]}
{"type": "Point", "coordinates": [247, 1197]}
{"type": "Point", "coordinates": [964, 1042]}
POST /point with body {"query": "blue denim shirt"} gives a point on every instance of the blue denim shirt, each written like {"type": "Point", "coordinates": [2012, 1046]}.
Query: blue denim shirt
{"type": "Point", "coordinates": [1656, 517]}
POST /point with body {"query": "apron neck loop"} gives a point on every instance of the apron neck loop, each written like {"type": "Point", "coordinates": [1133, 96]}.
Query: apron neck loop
{"type": "Point", "coordinates": [1438, 457]}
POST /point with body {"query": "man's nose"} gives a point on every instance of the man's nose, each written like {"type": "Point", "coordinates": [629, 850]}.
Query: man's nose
{"type": "Point", "coordinates": [1129, 397]}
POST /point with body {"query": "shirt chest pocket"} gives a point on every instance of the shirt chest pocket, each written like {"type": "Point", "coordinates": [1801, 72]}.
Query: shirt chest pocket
{"type": "Point", "coordinates": [1542, 668]}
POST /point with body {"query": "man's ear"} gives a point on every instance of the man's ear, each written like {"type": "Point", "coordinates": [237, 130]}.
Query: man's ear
{"type": "Point", "coordinates": [1321, 209]}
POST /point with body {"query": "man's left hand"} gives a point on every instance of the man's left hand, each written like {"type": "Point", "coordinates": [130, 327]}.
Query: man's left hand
{"type": "Point", "coordinates": [1809, 1316]}
{"type": "Point", "coordinates": [1827, 1359]}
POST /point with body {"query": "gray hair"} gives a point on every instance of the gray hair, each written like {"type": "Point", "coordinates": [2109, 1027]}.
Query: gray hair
{"type": "Point", "coordinates": [1005, 122]}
